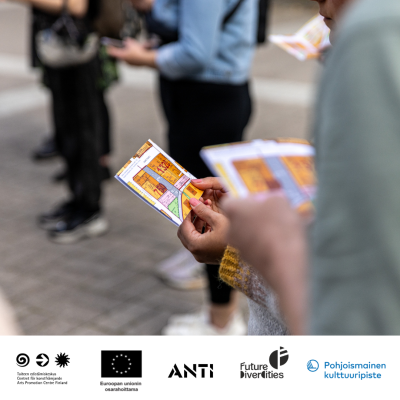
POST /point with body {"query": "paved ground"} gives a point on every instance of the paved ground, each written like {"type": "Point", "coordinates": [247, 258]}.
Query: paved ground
{"type": "Point", "coordinates": [106, 285]}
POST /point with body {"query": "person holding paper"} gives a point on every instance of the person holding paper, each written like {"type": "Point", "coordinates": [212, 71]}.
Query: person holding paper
{"type": "Point", "coordinates": [204, 63]}
{"type": "Point", "coordinates": [331, 10]}
{"type": "Point", "coordinates": [354, 282]}
{"type": "Point", "coordinates": [211, 246]}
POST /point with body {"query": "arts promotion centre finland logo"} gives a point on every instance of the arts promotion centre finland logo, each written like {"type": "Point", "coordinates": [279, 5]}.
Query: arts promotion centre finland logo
{"type": "Point", "coordinates": [277, 359]}
{"type": "Point", "coordinates": [62, 360]}
{"type": "Point", "coordinates": [121, 364]}
{"type": "Point", "coordinates": [42, 360]}
{"type": "Point", "coordinates": [22, 360]}
{"type": "Point", "coordinates": [44, 370]}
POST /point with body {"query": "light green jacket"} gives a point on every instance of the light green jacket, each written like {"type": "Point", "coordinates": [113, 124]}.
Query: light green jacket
{"type": "Point", "coordinates": [356, 240]}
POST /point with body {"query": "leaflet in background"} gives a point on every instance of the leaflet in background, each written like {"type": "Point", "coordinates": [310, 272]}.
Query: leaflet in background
{"type": "Point", "coordinates": [306, 43]}
{"type": "Point", "coordinates": [160, 181]}
{"type": "Point", "coordinates": [264, 165]}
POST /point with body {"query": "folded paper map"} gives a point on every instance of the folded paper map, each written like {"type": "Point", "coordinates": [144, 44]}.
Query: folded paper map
{"type": "Point", "coordinates": [264, 165]}
{"type": "Point", "coordinates": [160, 181]}
{"type": "Point", "coordinates": [306, 43]}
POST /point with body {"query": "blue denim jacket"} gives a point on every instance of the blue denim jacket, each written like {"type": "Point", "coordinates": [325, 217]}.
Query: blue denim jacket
{"type": "Point", "coordinates": [205, 51]}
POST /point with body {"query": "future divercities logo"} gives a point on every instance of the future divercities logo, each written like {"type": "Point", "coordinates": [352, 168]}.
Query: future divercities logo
{"type": "Point", "coordinates": [277, 359]}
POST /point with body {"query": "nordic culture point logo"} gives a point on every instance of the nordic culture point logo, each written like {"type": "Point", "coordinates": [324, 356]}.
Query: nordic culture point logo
{"type": "Point", "coordinates": [278, 358]}
{"type": "Point", "coordinates": [313, 365]}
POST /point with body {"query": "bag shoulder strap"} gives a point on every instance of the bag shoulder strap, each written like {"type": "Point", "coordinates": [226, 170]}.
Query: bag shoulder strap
{"type": "Point", "coordinates": [66, 21]}
{"type": "Point", "coordinates": [64, 7]}
{"type": "Point", "coordinates": [231, 13]}
{"type": "Point", "coordinates": [169, 35]}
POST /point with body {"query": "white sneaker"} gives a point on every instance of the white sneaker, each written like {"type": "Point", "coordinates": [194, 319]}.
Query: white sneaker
{"type": "Point", "coordinates": [199, 325]}
{"type": "Point", "coordinates": [182, 271]}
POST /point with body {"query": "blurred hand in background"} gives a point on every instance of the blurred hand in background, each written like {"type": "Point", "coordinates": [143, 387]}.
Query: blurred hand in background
{"type": "Point", "coordinates": [142, 5]}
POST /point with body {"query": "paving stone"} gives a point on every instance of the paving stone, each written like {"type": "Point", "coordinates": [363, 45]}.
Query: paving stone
{"type": "Point", "coordinates": [33, 322]}
{"type": "Point", "coordinates": [171, 300]}
{"type": "Point", "coordinates": [59, 326]}
{"type": "Point", "coordinates": [151, 326]}
{"type": "Point", "coordinates": [142, 286]}
{"type": "Point", "coordinates": [126, 315]}
{"type": "Point", "coordinates": [87, 330]}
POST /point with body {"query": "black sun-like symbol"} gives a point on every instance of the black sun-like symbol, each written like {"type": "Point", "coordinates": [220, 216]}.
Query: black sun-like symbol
{"type": "Point", "coordinates": [62, 360]}
{"type": "Point", "coordinates": [121, 364]}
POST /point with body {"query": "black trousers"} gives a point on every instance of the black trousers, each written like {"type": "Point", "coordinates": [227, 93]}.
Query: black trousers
{"type": "Point", "coordinates": [106, 148]}
{"type": "Point", "coordinates": [203, 114]}
{"type": "Point", "coordinates": [78, 106]}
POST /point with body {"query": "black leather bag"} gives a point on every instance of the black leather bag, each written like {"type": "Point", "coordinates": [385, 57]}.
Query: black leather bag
{"type": "Point", "coordinates": [67, 42]}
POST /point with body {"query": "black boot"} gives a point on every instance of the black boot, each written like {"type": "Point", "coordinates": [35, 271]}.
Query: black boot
{"type": "Point", "coordinates": [49, 220]}
{"type": "Point", "coordinates": [46, 150]}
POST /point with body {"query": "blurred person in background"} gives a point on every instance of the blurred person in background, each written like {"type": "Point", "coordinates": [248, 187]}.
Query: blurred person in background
{"type": "Point", "coordinates": [204, 61]}
{"type": "Point", "coordinates": [80, 117]}
{"type": "Point", "coordinates": [114, 19]}
{"type": "Point", "coordinates": [353, 286]}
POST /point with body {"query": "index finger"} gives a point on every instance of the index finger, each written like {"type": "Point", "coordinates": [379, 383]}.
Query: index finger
{"type": "Point", "coordinates": [209, 183]}
{"type": "Point", "coordinates": [116, 52]}
{"type": "Point", "coordinates": [188, 232]}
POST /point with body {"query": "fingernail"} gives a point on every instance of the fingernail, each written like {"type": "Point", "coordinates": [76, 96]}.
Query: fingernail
{"type": "Point", "coordinates": [197, 180]}
{"type": "Point", "coordinates": [194, 202]}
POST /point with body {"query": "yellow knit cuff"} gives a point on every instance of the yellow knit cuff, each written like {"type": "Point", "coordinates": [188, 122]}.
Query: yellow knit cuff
{"type": "Point", "coordinates": [231, 272]}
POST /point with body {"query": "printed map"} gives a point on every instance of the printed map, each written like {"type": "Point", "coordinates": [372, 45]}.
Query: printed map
{"type": "Point", "coordinates": [265, 165]}
{"type": "Point", "coordinates": [160, 181]}
{"type": "Point", "coordinates": [306, 43]}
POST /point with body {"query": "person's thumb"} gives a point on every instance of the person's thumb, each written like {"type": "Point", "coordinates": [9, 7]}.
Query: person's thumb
{"type": "Point", "coordinates": [202, 211]}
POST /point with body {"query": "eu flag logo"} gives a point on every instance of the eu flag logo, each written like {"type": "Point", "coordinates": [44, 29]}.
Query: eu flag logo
{"type": "Point", "coordinates": [121, 364]}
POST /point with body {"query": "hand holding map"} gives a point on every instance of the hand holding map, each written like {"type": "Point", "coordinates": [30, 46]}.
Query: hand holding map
{"type": "Point", "coordinates": [306, 43]}
{"type": "Point", "coordinates": [160, 181]}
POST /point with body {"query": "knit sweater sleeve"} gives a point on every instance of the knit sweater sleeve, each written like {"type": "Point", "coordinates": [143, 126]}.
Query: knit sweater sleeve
{"type": "Point", "coordinates": [241, 276]}
{"type": "Point", "coordinates": [231, 272]}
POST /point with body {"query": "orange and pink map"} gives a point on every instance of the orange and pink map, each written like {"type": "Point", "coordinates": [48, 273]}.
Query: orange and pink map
{"type": "Point", "coordinates": [160, 181]}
